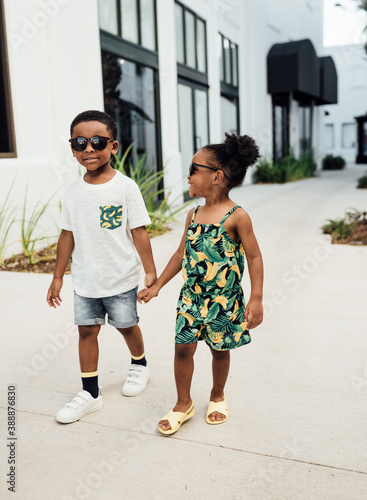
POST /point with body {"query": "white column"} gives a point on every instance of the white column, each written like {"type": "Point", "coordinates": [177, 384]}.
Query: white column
{"type": "Point", "coordinates": [168, 100]}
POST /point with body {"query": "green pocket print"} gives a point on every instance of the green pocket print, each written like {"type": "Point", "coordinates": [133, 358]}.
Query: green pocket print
{"type": "Point", "coordinates": [110, 216]}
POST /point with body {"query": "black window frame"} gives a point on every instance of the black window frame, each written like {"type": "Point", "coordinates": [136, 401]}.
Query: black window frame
{"type": "Point", "coordinates": [282, 100]}
{"type": "Point", "coordinates": [5, 89]}
{"type": "Point", "coordinates": [140, 55]}
{"type": "Point", "coordinates": [119, 26]}
{"type": "Point", "coordinates": [182, 68]}
{"type": "Point", "coordinates": [301, 109]}
{"type": "Point", "coordinates": [229, 90]}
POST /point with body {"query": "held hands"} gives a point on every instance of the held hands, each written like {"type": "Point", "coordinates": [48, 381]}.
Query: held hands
{"type": "Point", "coordinates": [53, 294]}
{"type": "Point", "coordinates": [253, 313]}
{"type": "Point", "coordinates": [146, 294]}
{"type": "Point", "coordinates": [150, 290]}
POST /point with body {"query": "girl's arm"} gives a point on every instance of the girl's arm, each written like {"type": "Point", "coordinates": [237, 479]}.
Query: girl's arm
{"type": "Point", "coordinates": [173, 267]}
{"type": "Point", "coordinates": [65, 248]}
{"type": "Point", "coordinates": [142, 244]}
{"type": "Point", "coordinates": [254, 308]}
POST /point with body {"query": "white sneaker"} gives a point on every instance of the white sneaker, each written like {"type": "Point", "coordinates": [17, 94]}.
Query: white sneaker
{"type": "Point", "coordinates": [81, 405]}
{"type": "Point", "coordinates": [136, 380]}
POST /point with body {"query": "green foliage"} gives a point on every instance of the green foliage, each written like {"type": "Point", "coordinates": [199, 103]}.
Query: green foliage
{"type": "Point", "coordinates": [28, 226]}
{"type": "Point", "coordinates": [331, 162]}
{"type": "Point", "coordinates": [149, 181]}
{"type": "Point", "coordinates": [287, 169]}
{"type": "Point", "coordinates": [362, 182]}
{"type": "Point", "coordinates": [7, 219]}
{"type": "Point", "coordinates": [340, 229]}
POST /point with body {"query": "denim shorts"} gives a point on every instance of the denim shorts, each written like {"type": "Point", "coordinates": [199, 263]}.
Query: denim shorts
{"type": "Point", "coordinates": [120, 309]}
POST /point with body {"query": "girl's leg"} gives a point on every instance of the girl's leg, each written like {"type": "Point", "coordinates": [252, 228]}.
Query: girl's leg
{"type": "Point", "coordinates": [134, 340]}
{"type": "Point", "coordinates": [88, 348]}
{"type": "Point", "coordinates": [220, 366]}
{"type": "Point", "coordinates": [184, 369]}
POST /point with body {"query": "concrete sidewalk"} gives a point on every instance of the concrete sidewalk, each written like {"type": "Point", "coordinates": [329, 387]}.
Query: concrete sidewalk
{"type": "Point", "coordinates": [297, 394]}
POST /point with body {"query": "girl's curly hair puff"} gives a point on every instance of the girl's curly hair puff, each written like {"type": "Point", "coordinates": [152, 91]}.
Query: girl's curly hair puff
{"type": "Point", "coordinates": [234, 156]}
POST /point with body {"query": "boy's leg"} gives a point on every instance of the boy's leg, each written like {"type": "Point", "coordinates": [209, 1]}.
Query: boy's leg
{"type": "Point", "coordinates": [88, 348]}
{"type": "Point", "coordinates": [220, 367]}
{"type": "Point", "coordinates": [184, 369]}
{"type": "Point", "coordinates": [134, 340]}
{"type": "Point", "coordinates": [90, 399]}
{"type": "Point", "coordinates": [88, 357]}
{"type": "Point", "coordinates": [138, 373]}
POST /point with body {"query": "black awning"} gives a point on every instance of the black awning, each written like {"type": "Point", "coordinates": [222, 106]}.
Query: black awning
{"type": "Point", "coordinates": [328, 81]}
{"type": "Point", "coordinates": [294, 67]}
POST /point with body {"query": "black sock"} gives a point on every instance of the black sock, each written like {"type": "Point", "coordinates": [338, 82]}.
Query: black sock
{"type": "Point", "coordinates": [90, 384]}
{"type": "Point", "coordinates": [141, 361]}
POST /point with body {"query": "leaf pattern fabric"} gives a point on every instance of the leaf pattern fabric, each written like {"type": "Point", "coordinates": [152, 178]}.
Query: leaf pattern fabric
{"type": "Point", "coordinates": [110, 216]}
{"type": "Point", "coordinates": [211, 304]}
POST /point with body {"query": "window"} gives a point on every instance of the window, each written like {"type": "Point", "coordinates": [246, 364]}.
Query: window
{"type": "Point", "coordinates": [192, 89]}
{"type": "Point", "coordinates": [228, 60]}
{"type": "Point", "coordinates": [190, 39]}
{"type": "Point", "coordinates": [305, 129]}
{"type": "Point", "coordinates": [130, 76]}
{"type": "Point", "coordinates": [129, 96]}
{"type": "Point", "coordinates": [228, 68]}
{"type": "Point", "coordinates": [329, 136]}
{"type": "Point", "coordinates": [280, 126]}
{"type": "Point", "coordinates": [7, 139]}
{"type": "Point", "coordinates": [349, 135]}
{"type": "Point", "coordinates": [193, 120]}
{"type": "Point", "coordinates": [229, 115]}
{"type": "Point", "coordinates": [132, 20]}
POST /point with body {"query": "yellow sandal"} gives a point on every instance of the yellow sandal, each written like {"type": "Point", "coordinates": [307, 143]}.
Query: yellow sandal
{"type": "Point", "coordinates": [176, 419]}
{"type": "Point", "coordinates": [220, 407]}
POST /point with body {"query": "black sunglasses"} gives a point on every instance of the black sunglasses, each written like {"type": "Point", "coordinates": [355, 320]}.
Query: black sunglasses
{"type": "Point", "coordinates": [193, 166]}
{"type": "Point", "coordinates": [98, 142]}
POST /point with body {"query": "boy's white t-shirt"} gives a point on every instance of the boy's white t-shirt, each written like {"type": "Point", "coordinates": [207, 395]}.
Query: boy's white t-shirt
{"type": "Point", "coordinates": [105, 261]}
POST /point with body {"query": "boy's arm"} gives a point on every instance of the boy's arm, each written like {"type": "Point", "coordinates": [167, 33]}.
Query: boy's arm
{"type": "Point", "coordinates": [173, 267]}
{"type": "Point", "coordinates": [65, 248]}
{"type": "Point", "coordinates": [144, 249]}
{"type": "Point", "coordinates": [254, 308]}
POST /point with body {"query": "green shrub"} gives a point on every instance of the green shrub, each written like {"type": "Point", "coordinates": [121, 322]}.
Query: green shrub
{"type": "Point", "coordinates": [341, 229]}
{"type": "Point", "coordinates": [287, 169]}
{"type": "Point", "coordinates": [161, 212]}
{"type": "Point", "coordinates": [362, 182]}
{"type": "Point", "coordinates": [331, 162]}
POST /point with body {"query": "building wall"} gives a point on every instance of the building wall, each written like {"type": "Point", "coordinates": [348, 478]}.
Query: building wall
{"type": "Point", "coordinates": [55, 72]}
{"type": "Point", "coordinates": [351, 64]}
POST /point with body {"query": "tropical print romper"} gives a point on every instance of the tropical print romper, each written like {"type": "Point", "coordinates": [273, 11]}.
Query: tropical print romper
{"type": "Point", "coordinates": [211, 304]}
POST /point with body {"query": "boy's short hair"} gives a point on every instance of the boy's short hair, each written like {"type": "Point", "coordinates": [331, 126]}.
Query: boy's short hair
{"type": "Point", "coordinates": [97, 116]}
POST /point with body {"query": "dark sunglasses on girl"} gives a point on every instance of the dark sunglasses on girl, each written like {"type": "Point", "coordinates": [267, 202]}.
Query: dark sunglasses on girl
{"type": "Point", "coordinates": [193, 168]}
{"type": "Point", "coordinates": [98, 142]}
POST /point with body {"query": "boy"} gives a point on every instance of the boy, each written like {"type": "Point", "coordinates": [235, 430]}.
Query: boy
{"type": "Point", "coordinates": [103, 223]}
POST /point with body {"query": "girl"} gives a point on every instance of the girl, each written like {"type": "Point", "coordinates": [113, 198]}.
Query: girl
{"type": "Point", "coordinates": [211, 304]}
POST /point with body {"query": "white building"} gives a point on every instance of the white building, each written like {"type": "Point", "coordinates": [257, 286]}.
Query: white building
{"type": "Point", "coordinates": [175, 76]}
{"type": "Point", "coordinates": [340, 124]}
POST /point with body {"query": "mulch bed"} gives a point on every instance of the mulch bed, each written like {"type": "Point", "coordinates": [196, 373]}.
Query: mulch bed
{"type": "Point", "coordinates": [358, 235]}
{"type": "Point", "coordinates": [44, 262]}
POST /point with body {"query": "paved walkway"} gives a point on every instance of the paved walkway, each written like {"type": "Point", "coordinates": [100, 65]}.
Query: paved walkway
{"type": "Point", "coordinates": [297, 394]}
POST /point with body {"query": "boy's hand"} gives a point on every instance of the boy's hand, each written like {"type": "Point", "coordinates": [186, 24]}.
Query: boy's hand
{"type": "Point", "coordinates": [146, 294]}
{"type": "Point", "coordinates": [253, 313]}
{"type": "Point", "coordinates": [53, 294]}
{"type": "Point", "coordinates": [150, 278]}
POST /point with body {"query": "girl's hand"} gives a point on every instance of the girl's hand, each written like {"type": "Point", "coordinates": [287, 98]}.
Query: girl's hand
{"type": "Point", "coordinates": [53, 294]}
{"type": "Point", "coordinates": [254, 313]}
{"type": "Point", "coordinates": [146, 294]}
